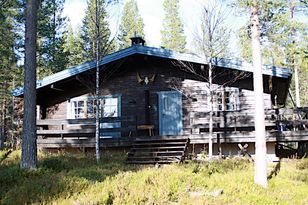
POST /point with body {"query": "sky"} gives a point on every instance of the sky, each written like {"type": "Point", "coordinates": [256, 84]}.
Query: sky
{"type": "Point", "coordinates": [152, 13]}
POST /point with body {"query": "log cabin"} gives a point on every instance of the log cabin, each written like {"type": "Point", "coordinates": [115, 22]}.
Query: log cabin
{"type": "Point", "coordinates": [156, 102]}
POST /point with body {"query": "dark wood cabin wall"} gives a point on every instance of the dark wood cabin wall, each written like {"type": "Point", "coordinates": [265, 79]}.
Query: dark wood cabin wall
{"type": "Point", "coordinates": [133, 95]}
{"type": "Point", "coordinates": [195, 102]}
{"type": "Point", "coordinates": [57, 111]}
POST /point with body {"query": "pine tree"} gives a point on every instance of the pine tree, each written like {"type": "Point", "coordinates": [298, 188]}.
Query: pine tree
{"type": "Point", "coordinates": [131, 24]}
{"type": "Point", "coordinates": [73, 47]}
{"type": "Point", "coordinates": [277, 38]}
{"type": "Point", "coordinates": [89, 32]}
{"type": "Point", "coordinates": [29, 146]}
{"type": "Point", "coordinates": [173, 34]}
{"type": "Point", "coordinates": [260, 177]}
{"type": "Point", "coordinates": [8, 68]}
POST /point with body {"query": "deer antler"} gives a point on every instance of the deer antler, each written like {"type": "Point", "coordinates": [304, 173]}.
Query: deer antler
{"type": "Point", "coordinates": [152, 78]}
{"type": "Point", "coordinates": [139, 79]}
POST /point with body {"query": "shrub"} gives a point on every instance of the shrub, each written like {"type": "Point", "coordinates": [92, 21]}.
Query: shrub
{"type": "Point", "coordinates": [302, 164]}
{"type": "Point", "coordinates": [54, 164]}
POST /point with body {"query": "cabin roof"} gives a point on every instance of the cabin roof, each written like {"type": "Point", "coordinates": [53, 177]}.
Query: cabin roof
{"type": "Point", "coordinates": [155, 52]}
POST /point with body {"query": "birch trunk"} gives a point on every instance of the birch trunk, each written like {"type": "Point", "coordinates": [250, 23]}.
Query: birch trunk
{"type": "Point", "coordinates": [211, 111]}
{"type": "Point", "coordinates": [260, 144]}
{"type": "Point", "coordinates": [97, 134]}
{"type": "Point", "coordinates": [29, 147]}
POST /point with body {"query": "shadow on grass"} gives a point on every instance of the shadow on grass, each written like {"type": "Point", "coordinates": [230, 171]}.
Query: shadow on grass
{"type": "Point", "coordinates": [57, 176]}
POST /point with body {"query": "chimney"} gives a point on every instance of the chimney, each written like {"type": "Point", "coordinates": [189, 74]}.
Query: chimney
{"type": "Point", "coordinates": [137, 40]}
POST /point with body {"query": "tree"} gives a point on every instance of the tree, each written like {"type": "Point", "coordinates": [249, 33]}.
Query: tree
{"type": "Point", "coordinates": [29, 146]}
{"type": "Point", "coordinates": [51, 30]}
{"type": "Point", "coordinates": [131, 24]}
{"type": "Point", "coordinates": [260, 144]}
{"type": "Point", "coordinates": [277, 33]}
{"type": "Point", "coordinates": [212, 40]}
{"type": "Point", "coordinates": [173, 33]}
{"type": "Point", "coordinates": [73, 47]}
{"type": "Point", "coordinates": [9, 72]}
{"type": "Point", "coordinates": [89, 31]}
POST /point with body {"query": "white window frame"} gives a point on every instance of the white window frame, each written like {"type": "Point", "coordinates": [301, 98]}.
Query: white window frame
{"type": "Point", "coordinates": [71, 108]}
{"type": "Point", "coordinates": [222, 104]}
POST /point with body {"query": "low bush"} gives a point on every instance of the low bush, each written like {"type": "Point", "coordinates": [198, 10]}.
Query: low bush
{"type": "Point", "coordinates": [77, 179]}
{"type": "Point", "coordinates": [302, 164]}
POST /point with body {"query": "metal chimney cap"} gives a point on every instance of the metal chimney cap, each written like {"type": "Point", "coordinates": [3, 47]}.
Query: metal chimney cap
{"type": "Point", "coordinates": [137, 40]}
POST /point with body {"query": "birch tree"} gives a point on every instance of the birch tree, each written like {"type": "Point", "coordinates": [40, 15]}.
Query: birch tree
{"type": "Point", "coordinates": [29, 146]}
{"type": "Point", "coordinates": [212, 40]}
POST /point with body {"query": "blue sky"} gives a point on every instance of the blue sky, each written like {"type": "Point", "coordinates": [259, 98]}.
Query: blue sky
{"type": "Point", "coordinates": [153, 14]}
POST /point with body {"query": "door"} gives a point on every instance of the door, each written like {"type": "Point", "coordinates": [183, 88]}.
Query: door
{"type": "Point", "coordinates": [170, 113]}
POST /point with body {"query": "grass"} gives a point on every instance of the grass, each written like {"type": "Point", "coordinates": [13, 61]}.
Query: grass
{"type": "Point", "coordinates": [77, 179]}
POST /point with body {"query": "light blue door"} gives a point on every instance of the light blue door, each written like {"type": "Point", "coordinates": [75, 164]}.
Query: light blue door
{"type": "Point", "coordinates": [170, 113]}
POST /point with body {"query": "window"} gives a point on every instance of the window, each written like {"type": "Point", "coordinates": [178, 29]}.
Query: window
{"type": "Point", "coordinates": [226, 99]}
{"type": "Point", "coordinates": [85, 107]}
{"type": "Point", "coordinates": [110, 107]}
{"type": "Point", "coordinates": [82, 107]}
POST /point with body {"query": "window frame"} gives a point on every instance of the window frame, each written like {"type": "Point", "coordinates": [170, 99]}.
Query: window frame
{"type": "Point", "coordinates": [220, 104]}
{"type": "Point", "coordinates": [85, 99]}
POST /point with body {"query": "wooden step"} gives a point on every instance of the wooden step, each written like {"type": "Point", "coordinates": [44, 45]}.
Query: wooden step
{"type": "Point", "coordinates": [158, 148]}
{"type": "Point", "coordinates": [152, 162]}
{"type": "Point", "coordinates": [158, 152]}
{"type": "Point", "coordinates": [155, 157]}
{"type": "Point", "coordinates": [158, 143]}
{"type": "Point", "coordinates": [137, 140]}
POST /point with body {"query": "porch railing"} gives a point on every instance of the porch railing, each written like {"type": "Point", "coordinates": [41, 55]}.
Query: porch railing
{"type": "Point", "coordinates": [79, 127]}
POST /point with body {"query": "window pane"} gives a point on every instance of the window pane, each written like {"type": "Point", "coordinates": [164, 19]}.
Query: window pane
{"type": "Point", "coordinates": [110, 107]}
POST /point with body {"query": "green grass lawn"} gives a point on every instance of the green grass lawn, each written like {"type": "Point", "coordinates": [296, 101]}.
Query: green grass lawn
{"type": "Point", "coordinates": [77, 179]}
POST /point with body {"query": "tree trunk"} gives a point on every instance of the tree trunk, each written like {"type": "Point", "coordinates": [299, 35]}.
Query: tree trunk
{"type": "Point", "coordinates": [211, 111]}
{"type": "Point", "coordinates": [297, 96]}
{"type": "Point", "coordinates": [2, 128]}
{"type": "Point", "coordinates": [260, 144]}
{"type": "Point", "coordinates": [29, 147]}
{"type": "Point", "coordinates": [97, 134]}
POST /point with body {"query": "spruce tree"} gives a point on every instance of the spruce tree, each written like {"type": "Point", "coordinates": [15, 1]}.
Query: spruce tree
{"type": "Point", "coordinates": [131, 24]}
{"type": "Point", "coordinates": [88, 30]}
{"type": "Point", "coordinates": [51, 27]}
{"type": "Point", "coordinates": [173, 33]}
{"type": "Point", "coordinates": [73, 47]}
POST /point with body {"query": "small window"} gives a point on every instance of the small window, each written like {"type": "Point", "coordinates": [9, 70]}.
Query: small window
{"type": "Point", "coordinates": [78, 110]}
{"type": "Point", "coordinates": [226, 100]}
{"type": "Point", "coordinates": [110, 107]}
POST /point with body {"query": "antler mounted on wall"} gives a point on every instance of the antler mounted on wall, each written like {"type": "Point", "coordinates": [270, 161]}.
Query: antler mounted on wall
{"type": "Point", "coordinates": [146, 79]}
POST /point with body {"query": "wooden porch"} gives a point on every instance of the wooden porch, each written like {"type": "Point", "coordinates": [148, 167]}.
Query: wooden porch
{"type": "Point", "coordinates": [283, 125]}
